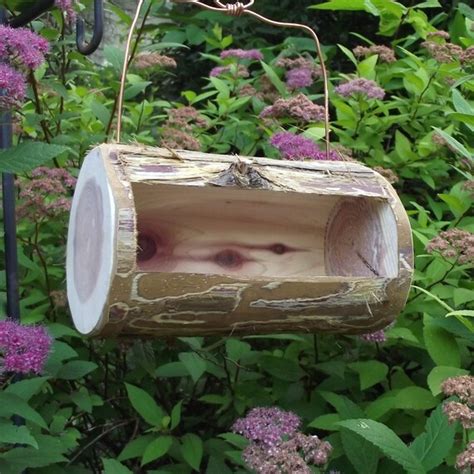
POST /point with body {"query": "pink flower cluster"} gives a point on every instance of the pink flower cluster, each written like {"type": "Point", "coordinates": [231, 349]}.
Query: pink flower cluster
{"type": "Point", "coordinates": [456, 411]}
{"type": "Point", "coordinates": [46, 194]}
{"type": "Point", "coordinates": [385, 54]}
{"type": "Point", "coordinates": [12, 87]}
{"type": "Point", "coordinates": [298, 78]}
{"type": "Point", "coordinates": [237, 71]}
{"type": "Point", "coordinates": [299, 107]}
{"type": "Point", "coordinates": [251, 54]}
{"type": "Point", "coordinates": [296, 147]}
{"type": "Point", "coordinates": [23, 349]}
{"type": "Point", "coordinates": [267, 426]}
{"type": "Point", "coordinates": [301, 71]}
{"type": "Point", "coordinates": [462, 411]}
{"type": "Point", "coordinates": [177, 130]}
{"type": "Point", "coordinates": [150, 60]}
{"type": "Point", "coordinates": [67, 6]}
{"type": "Point", "coordinates": [276, 445]}
{"type": "Point", "coordinates": [377, 336]}
{"type": "Point", "coordinates": [461, 386]}
{"type": "Point", "coordinates": [20, 49]}
{"type": "Point", "coordinates": [364, 87]}
{"type": "Point", "coordinates": [465, 461]}
{"type": "Point", "coordinates": [454, 243]}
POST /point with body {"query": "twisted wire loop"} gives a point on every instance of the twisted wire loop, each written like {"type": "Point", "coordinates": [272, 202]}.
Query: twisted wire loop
{"type": "Point", "coordinates": [235, 9]}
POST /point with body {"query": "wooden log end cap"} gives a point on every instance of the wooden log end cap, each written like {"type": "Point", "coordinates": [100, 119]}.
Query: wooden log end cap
{"type": "Point", "coordinates": [90, 248]}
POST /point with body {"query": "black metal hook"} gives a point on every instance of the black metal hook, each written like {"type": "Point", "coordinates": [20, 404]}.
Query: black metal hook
{"type": "Point", "coordinates": [31, 13]}
{"type": "Point", "coordinates": [88, 48]}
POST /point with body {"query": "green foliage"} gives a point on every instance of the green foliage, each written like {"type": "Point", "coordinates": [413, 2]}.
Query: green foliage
{"type": "Point", "coordinates": [167, 406]}
{"type": "Point", "coordinates": [27, 156]}
{"type": "Point", "coordinates": [432, 446]}
{"type": "Point", "coordinates": [387, 441]}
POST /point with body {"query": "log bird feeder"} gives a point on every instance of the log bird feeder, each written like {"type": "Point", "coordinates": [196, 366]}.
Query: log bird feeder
{"type": "Point", "coordinates": [178, 243]}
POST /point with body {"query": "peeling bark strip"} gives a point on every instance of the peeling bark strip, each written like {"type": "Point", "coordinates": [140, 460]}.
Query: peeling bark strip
{"type": "Point", "coordinates": [188, 243]}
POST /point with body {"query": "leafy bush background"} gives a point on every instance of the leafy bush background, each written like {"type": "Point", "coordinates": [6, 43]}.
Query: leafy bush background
{"type": "Point", "coordinates": [167, 405]}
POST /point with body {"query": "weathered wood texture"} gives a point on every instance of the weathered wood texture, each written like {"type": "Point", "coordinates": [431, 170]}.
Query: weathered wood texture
{"type": "Point", "coordinates": [186, 243]}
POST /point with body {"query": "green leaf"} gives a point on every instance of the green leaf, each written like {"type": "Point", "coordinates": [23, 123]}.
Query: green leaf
{"type": "Point", "coordinates": [135, 448]}
{"type": "Point", "coordinates": [370, 372]}
{"type": "Point", "coordinates": [76, 369]}
{"type": "Point", "coordinates": [416, 82]}
{"type": "Point", "coordinates": [144, 405]}
{"type": "Point", "coordinates": [351, 5]}
{"type": "Point", "coordinates": [235, 440]}
{"type": "Point", "coordinates": [172, 369]}
{"type": "Point", "coordinates": [432, 446]}
{"type": "Point", "coordinates": [221, 86]}
{"type": "Point", "coordinates": [12, 434]}
{"type": "Point", "coordinates": [326, 422]}
{"type": "Point", "coordinates": [413, 398]}
{"type": "Point", "coordinates": [194, 363]}
{"type": "Point", "coordinates": [457, 146]}
{"type": "Point", "coordinates": [217, 466]}
{"type": "Point", "coordinates": [366, 67]}
{"type": "Point", "coordinates": [115, 56]}
{"type": "Point", "coordinates": [156, 449]}
{"type": "Point", "coordinates": [456, 205]}
{"type": "Point", "coordinates": [111, 466]}
{"type": "Point", "coordinates": [429, 4]}
{"type": "Point", "coordinates": [461, 104]}
{"type": "Point", "coordinates": [403, 147]}
{"type": "Point", "coordinates": [315, 133]}
{"type": "Point", "coordinates": [25, 389]}
{"type": "Point", "coordinates": [11, 404]}
{"type": "Point", "coordinates": [192, 450]}
{"type": "Point", "coordinates": [134, 89]}
{"type": "Point", "coordinates": [408, 398]}
{"type": "Point", "coordinates": [387, 441]}
{"type": "Point", "coordinates": [281, 368]}
{"type": "Point", "coordinates": [431, 295]}
{"type": "Point", "coordinates": [461, 316]}
{"type": "Point", "coordinates": [237, 349]}
{"type": "Point", "coordinates": [176, 415]}
{"type": "Point", "coordinates": [27, 156]}
{"type": "Point", "coordinates": [343, 405]}
{"type": "Point", "coordinates": [441, 345]}
{"type": "Point", "coordinates": [464, 313]}
{"type": "Point", "coordinates": [50, 451]}
{"type": "Point", "coordinates": [349, 54]}
{"type": "Point", "coordinates": [362, 454]}
{"type": "Point", "coordinates": [82, 399]}
{"type": "Point", "coordinates": [275, 80]}
{"type": "Point", "coordinates": [100, 111]}
{"type": "Point", "coordinates": [439, 374]}
{"type": "Point", "coordinates": [462, 296]}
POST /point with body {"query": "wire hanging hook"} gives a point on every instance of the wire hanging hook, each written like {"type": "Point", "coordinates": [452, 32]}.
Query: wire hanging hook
{"type": "Point", "coordinates": [88, 48]}
{"type": "Point", "coordinates": [234, 9]}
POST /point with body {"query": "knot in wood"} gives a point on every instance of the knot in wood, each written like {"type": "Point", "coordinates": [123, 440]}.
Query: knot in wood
{"type": "Point", "coordinates": [243, 175]}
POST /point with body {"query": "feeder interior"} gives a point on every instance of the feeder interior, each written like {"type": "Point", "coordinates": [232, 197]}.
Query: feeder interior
{"type": "Point", "coordinates": [263, 234]}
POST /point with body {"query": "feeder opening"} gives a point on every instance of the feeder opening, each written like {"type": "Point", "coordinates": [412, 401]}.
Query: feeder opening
{"type": "Point", "coordinates": [263, 234]}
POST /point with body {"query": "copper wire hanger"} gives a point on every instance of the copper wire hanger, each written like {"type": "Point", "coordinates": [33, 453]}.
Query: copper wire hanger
{"type": "Point", "coordinates": [233, 9]}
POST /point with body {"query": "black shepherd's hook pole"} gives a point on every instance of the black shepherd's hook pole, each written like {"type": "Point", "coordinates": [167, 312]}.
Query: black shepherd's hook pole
{"type": "Point", "coordinates": [98, 31]}
{"type": "Point", "coordinates": [8, 180]}
{"type": "Point", "coordinates": [9, 218]}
